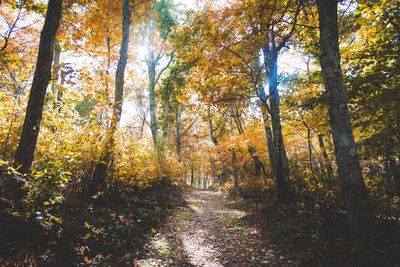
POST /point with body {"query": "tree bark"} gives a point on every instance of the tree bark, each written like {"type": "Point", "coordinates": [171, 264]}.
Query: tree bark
{"type": "Point", "coordinates": [166, 112]}
{"type": "Point", "coordinates": [167, 105]}
{"type": "Point", "coordinates": [107, 72]}
{"type": "Point", "coordinates": [349, 169]}
{"type": "Point", "coordinates": [327, 162]}
{"type": "Point", "coordinates": [269, 138]}
{"type": "Point", "coordinates": [178, 131]}
{"type": "Point", "coordinates": [211, 127]}
{"type": "Point", "coordinates": [123, 59]}
{"type": "Point", "coordinates": [30, 131]}
{"type": "Point", "coordinates": [310, 147]}
{"type": "Point", "coordinates": [235, 173]}
{"type": "Point", "coordinates": [192, 175]}
{"type": "Point", "coordinates": [224, 173]}
{"type": "Point", "coordinates": [152, 100]}
{"type": "Point", "coordinates": [281, 160]}
{"type": "Point", "coordinates": [392, 168]}
{"type": "Point", "coordinates": [56, 68]}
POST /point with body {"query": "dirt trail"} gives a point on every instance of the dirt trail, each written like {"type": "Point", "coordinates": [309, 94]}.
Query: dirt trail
{"type": "Point", "coordinates": [209, 232]}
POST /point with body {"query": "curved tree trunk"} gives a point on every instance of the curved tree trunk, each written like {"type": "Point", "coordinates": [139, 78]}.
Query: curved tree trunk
{"type": "Point", "coordinates": [353, 187]}
{"type": "Point", "coordinates": [30, 131]}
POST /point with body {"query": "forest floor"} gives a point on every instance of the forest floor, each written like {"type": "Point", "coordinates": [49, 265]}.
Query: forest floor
{"type": "Point", "coordinates": [170, 225]}
{"type": "Point", "coordinates": [211, 231]}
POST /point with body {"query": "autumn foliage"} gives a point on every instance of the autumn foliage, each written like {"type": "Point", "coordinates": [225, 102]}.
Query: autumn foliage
{"type": "Point", "coordinates": [227, 96]}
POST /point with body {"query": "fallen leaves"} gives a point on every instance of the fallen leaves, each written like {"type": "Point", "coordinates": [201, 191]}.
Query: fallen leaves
{"type": "Point", "coordinates": [209, 233]}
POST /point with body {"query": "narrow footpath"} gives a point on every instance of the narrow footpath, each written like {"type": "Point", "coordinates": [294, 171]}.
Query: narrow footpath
{"type": "Point", "coordinates": [210, 232]}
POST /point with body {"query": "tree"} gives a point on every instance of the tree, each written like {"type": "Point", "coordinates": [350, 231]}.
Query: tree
{"type": "Point", "coordinates": [157, 29]}
{"type": "Point", "coordinates": [30, 131]}
{"type": "Point", "coordinates": [276, 40]}
{"type": "Point", "coordinates": [349, 169]}
{"type": "Point", "coordinates": [100, 169]}
{"type": "Point", "coordinates": [270, 32]}
{"type": "Point", "coordinates": [373, 67]}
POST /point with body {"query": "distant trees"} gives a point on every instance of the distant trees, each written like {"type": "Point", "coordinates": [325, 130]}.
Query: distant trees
{"type": "Point", "coordinates": [234, 51]}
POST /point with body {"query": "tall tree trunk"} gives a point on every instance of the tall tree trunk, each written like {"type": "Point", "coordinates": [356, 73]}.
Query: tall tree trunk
{"type": "Point", "coordinates": [224, 170]}
{"type": "Point", "coordinates": [282, 165]}
{"type": "Point", "coordinates": [166, 112]}
{"type": "Point", "coordinates": [152, 100]}
{"type": "Point", "coordinates": [56, 68]}
{"type": "Point", "coordinates": [309, 146]}
{"type": "Point", "coordinates": [235, 173]}
{"type": "Point", "coordinates": [167, 105]}
{"type": "Point", "coordinates": [269, 138]}
{"type": "Point", "coordinates": [327, 162]}
{"type": "Point", "coordinates": [100, 170]}
{"type": "Point", "coordinates": [107, 72]}
{"type": "Point", "coordinates": [166, 115]}
{"type": "Point", "coordinates": [211, 127]}
{"type": "Point", "coordinates": [60, 88]}
{"type": "Point", "coordinates": [392, 168]}
{"type": "Point", "coordinates": [30, 131]}
{"type": "Point", "coordinates": [142, 124]}
{"type": "Point", "coordinates": [123, 59]}
{"type": "Point", "coordinates": [224, 173]}
{"type": "Point", "coordinates": [353, 187]}
{"type": "Point", "coordinates": [178, 131]}
{"type": "Point", "coordinates": [192, 175]}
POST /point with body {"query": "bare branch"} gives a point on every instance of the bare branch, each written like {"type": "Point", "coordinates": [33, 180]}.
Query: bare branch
{"type": "Point", "coordinates": [165, 67]}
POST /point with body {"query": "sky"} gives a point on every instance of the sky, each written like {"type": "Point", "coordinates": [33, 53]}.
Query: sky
{"type": "Point", "coordinates": [189, 4]}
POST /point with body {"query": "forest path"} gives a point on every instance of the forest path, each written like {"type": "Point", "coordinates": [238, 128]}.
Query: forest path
{"type": "Point", "coordinates": [209, 232]}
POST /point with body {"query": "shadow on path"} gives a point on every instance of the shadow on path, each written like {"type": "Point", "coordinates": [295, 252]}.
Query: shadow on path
{"type": "Point", "coordinates": [209, 232]}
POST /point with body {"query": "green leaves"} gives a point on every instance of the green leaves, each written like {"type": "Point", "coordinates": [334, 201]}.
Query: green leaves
{"type": "Point", "coordinates": [165, 19]}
